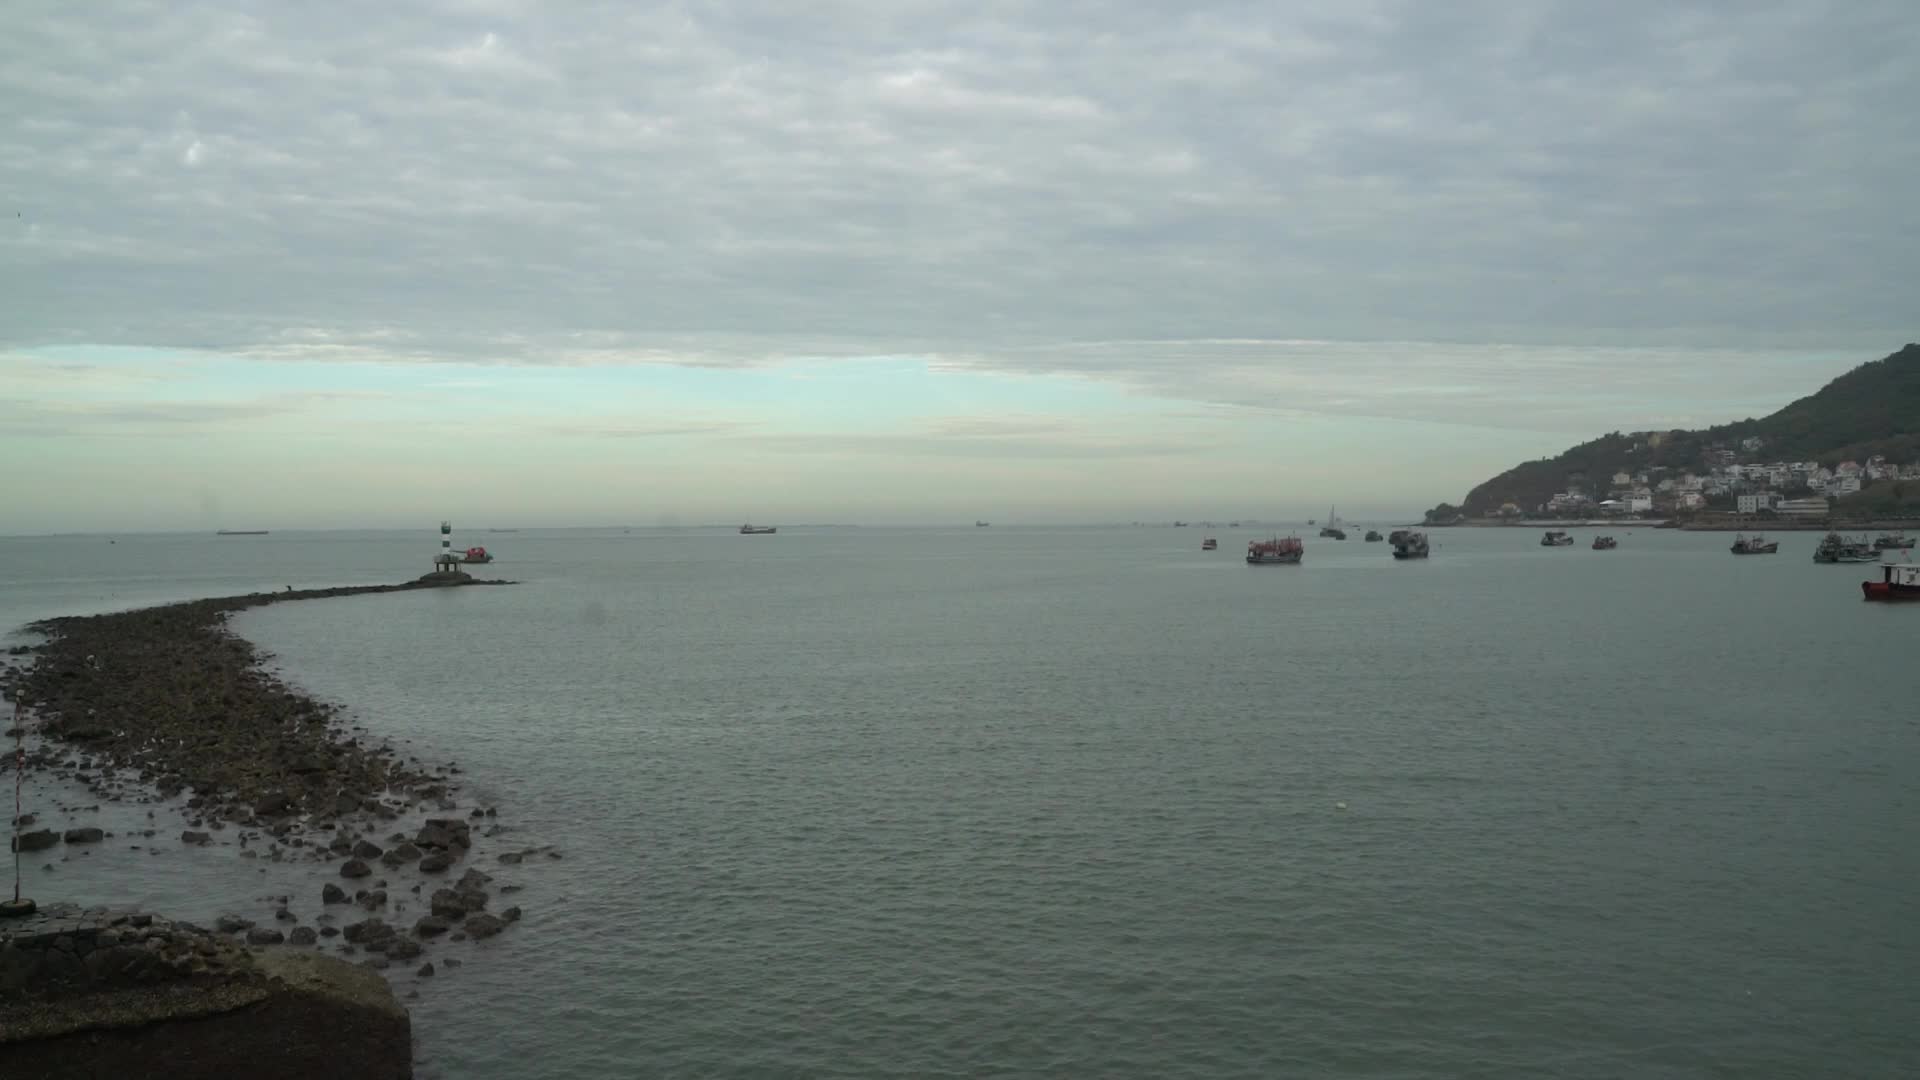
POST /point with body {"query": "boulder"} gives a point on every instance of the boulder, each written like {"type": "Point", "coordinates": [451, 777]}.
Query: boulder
{"type": "Point", "coordinates": [265, 936]}
{"type": "Point", "coordinates": [87, 835]}
{"type": "Point", "coordinates": [444, 834]}
{"type": "Point", "coordinates": [232, 924]}
{"type": "Point", "coordinates": [39, 840]}
{"type": "Point", "coordinates": [200, 838]}
{"type": "Point", "coordinates": [367, 849]}
{"type": "Point", "coordinates": [431, 926]}
{"type": "Point", "coordinates": [332, 894]}
{"type": "Point", "coordinates": [483, 926]}
{"type": "Point", "coordinates": [404, 949]}
{"type": "Point", "coordinates": [436, 862]}
{"type": "Point", "coordinates": [273, 805]}
{"type": "Point", "coordinates": [426, 969]}
{"type": "Point", "coordinates": [372, 901]}
{"type": "Point", "coordinates": [355, 868]}
{"type": "Point", "coordinates": [302, 935]}
{"type": "Point", "coordinates": [369, 930]}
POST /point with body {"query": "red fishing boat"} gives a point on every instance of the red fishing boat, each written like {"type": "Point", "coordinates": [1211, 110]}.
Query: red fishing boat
{"type": "Point", "coordinates": [1899, 581]}
{"type": "Point", "coordinates": [476, 555]}
{"type": "Point", "coordinates": [1276, 550]}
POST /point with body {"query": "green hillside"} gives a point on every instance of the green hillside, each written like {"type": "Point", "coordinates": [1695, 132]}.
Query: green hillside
{"type": "Point", "coordinates": [1873, 409]}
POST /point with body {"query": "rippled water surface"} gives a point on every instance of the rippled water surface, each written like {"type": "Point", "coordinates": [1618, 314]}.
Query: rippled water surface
{"type": "Point", "coordinates": [867, 803]}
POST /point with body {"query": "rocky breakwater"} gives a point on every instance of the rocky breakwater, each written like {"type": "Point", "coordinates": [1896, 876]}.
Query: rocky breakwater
{"type": "Point", "coordinates": [99, 993]}
{"type": "Point", "coordinates": [171, 697]}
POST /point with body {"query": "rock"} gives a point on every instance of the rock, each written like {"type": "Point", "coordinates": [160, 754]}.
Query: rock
{"type": "Point", "coordinates": [404, 949]}
{"type": "Point", "coordinates": [191, 837]}
{"type": "Point", "coordinates": [373, 900]}
{"type": "Point", "coordinates": [273, 805]}
{"type": "Point", "coordinates": [472, 881]}
{"type": "Point", "coordinates": [25, 820]}
{"type": "Point", "coordinates": [87, 835]}
{"type": "Point", "coordinates": [512, 914]}
{"type": "Point", "coordinates": [36, 841]}
{"type": "Point", "coordinates": [444, 834]}
{"type": "Point", "coordinates": [367, 849]}
{"type": "Point", "coordinates": [283, 915]}
{"type": "Point", "coordinates": [436, 862]}
{"type": "Point", "coordinates": [510, 858]}
{"type": "Point", "coordinates": [355, 868]}
{"type": "Point", "coordinates": [483, 926]}
{"type": "Point", "coordinates": [405, 852]}
{"type": "Point", "coordinates": [328, 931]}
{"type": "Point", "coordinates": [431, 926]}
{"type": "Point", "coordinates": [426, 969]}
{"type": "Point", "coordinates": [477, 812]}
{"type": "Point", "coordinates": [449, 904]}
{"type": "Point", "coordinates": [332, 894]}
{"type": "Point", "coordinates": [265, 936]}
{"type": "Point", "coordinates": [344, 803]}
{"type": "Point", "coordinates": [369, 930]}
{"type": "Point", "coordinates": [232, 924]}
{"type": "Point", "coordinates": [302, 935]}
{"type": "Point", "coordinates": [452, 962]}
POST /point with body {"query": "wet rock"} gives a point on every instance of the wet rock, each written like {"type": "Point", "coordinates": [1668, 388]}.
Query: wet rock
{"type": "Point", "coordinates": [345, 803]}
{"type": "Point", "coordinates": [449, 904]}
{"type": "Point", "coordinates": [472, 881]}
{"type": "Point", "coordinates": [374, 900]}
{"type": "Point", "coordinates": [444, 834]}
{"type": "Point", "coordinates": [367, 849]}
{"type": "Point", "coordinates": [25, 820]}
{"type": "Point", "coordinates": [192, 837]}
{"type": "Point", "coordinates": [452, 962]}
{"type": "Point", "coordinates": [284, 915]}
{"type": "Point", "coordinates": [87, 835]}
{"type": "Point", "coordinates": [483, 926]}
{"type": "Point", "coordinates": [355, 868]}
{"type": "Point", "coordinates": [302, 935]}
{"type": "Point", "coordinates": [436, 862]}
{"type": "Point", "coordinates": [431, 926]}
{"type": "Point", "coordinates": [39, 840]}
{"type": "Point", "coordinates": [367, 931]}
{"type": "Point", "coordinates": [265, 936]}
{"type": "Point", "coordinates": [329, 931]}
{"type": "Point", "coordinates": [510, 858]}
{"type": "Point", "coordinates": [332, 894]}
{"type": "Point", "coordinates": [232, 924]}
{"type": "Point", "coordinates": [512, 914]}
{"type": "Point", "coordinates": [426, 969]}
{"type": "Point", "coordinates": [404, 949]}
{"type": "Point", "coordinates": [274, 805]}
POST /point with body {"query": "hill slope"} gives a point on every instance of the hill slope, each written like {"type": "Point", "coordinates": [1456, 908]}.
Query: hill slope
{"type": "Point", "coordinates": [1873, 409]}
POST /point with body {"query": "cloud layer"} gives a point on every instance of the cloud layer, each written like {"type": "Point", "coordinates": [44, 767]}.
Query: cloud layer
{"type": "Point", "coordinates": [719, 183]}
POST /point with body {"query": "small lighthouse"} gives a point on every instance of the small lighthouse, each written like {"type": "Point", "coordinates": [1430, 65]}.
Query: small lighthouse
{"type": "Point", "coordinates": [446, 561]}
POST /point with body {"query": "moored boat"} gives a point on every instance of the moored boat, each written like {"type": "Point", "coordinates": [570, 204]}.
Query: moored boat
{"type": "Point", "coordinates": [476, 555]}
{"type": "Point", "coordinates": [1410, 545]}
{"type": "Point", "coordinates": [1556, 538]}
{"type": "Point", "coordinates": [1899, 541]}
{"type": "Point", "coordinates": [1835, 548]}
{"type": "Point", "coordinates": [1605, 543]}
{"type": "Point", "coordinates": [1373, 536]}
{"type": "Point", "coordinates": [1332, 530]}
{"type": "Point", "coordinates": [1757, 544]}
{"type": "Point", "coordinates": [1398, 535]}
{"type": "Point", "coordinates": [1276, 550]}
{"type": "Point", "coordinates": [757, 530]}
{"type": "Point", "coordinates": [1899, 581]}
{"type": "Point", "coordinates": [1209, 544]}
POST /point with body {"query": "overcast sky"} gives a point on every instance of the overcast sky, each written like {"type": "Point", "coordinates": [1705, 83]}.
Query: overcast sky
{"type": "Point", "coordinates": [916, 261]}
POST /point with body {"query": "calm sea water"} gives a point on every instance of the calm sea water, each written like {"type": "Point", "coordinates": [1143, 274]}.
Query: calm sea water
{"type": "Point", "coordinates": [875, 803]}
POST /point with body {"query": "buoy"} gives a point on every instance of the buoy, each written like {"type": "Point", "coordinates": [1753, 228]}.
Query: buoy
{"type": "Point", "coordinates": [1339, 806]}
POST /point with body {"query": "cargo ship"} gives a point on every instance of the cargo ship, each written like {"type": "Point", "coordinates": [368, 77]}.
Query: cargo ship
{"type": "Point", "coordinates": [757, 530]}
{"type": "Point", "coordinates": [1286, 550]}
{"type": "Point", "coordinates": [1898, 581]}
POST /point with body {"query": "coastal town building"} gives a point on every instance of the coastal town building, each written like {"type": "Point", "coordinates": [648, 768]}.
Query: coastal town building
{"type": "Point", "coordinates": [1802, 508]}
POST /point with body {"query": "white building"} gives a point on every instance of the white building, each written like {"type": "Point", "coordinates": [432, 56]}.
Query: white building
{"type": "Point", "coordinates": [1843, 485]}
{"type": "Point", "coordinates": [1692, 500]}
{"type": "Point", "coordinates": [1801, 508]}
{"type": "Point", "coordinates": [1753, 504]}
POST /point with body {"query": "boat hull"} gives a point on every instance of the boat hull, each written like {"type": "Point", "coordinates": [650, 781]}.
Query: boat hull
{"type": "Point", "coordinates": [1275, 560]}
{"type": "Point", "coordinates": [1409, 554]}
{"type": "Point", "coordinates": [1881, 590]}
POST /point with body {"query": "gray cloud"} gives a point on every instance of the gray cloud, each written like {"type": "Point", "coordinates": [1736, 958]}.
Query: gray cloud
{"type": "Point", "coordinates": [984, 183]}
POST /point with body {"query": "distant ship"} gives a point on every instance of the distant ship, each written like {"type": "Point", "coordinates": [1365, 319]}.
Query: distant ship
{"type": "Point", "coordinates": [1373, 536]}
{"type": "Point", "coordinates": [241, 532]}
{"type": "Point", "coordinates": [1332, 529]}
{"type": "Point", "coordinates": [1277, 550]}
{"type": "Point", "coordinates": [757, 530]}
{"type": "Point", "coordinates": [1209, 544]}
{"type": "Point", "coordinates": [1893, 542]}
{"type": "Point", "coordinates": [1410, 545]}
{"type": "Point", "coordinates": [1556, 538]}
{"type": "Point", "coordinates": [1605, 543]}
{"type": "Point", "coordinates": [1757, 544]}
{"type": "Point", "coordinates": [980, 524]}
{"type": "Point", "coordinates": [1835, 548]}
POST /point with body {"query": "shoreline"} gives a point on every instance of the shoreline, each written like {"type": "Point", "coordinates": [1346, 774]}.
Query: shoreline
{"type": "Point", "coordinates": [167, 705]}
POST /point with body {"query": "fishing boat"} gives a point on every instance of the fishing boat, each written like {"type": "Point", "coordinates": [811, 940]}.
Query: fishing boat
{"type": "Point", "coordinates": [1179, 524]}
{"type": "Point", "coordinates": [1556, 538]}
{"type": "Point", "coordinates": [1411, 545]}
{"type": "Point", "coordinates": [1332, 530]}
{"type": "Point", "coordinates": [475, 555]}
{"type": "Point", "coordinates": [1899, 541]}
{"type": "Point", "coordinates": [1605, 543]}
{"type": "Point", "coordinates": [1757, 544]}
{"type": "Point", "coordinates": [1209, 544]}
{"type": "Point", "coordinates": [1398, 535]}
{"type": "Point", "coordinates": [1373, 536]}
{"type": "Point", "coordinates": [1898, 581]}
{"type": "Point", "coordinates": [757, 530]}
{"type": "Point", "coordinates": [1835, 548]}
{"type": "Point", "coordinates": [1276, 550]}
